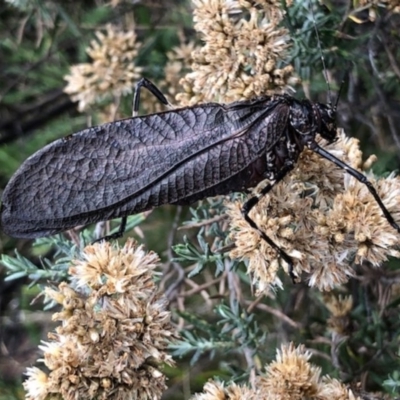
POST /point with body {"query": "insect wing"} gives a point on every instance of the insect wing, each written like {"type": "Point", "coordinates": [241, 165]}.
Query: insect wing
{"type": "Point", "coordinates": [131, 165]}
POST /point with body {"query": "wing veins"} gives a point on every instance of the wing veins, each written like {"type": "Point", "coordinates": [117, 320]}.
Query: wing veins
{"type": "Point", "coordinates": [240, 133]}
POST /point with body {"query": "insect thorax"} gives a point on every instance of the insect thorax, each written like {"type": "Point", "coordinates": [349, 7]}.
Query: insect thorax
{"type": "Point", "coordinates": [305, 120]}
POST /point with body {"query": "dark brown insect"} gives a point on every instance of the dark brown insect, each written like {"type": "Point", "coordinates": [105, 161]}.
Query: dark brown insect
{"type": "Point", "coordinates": [176, 157]}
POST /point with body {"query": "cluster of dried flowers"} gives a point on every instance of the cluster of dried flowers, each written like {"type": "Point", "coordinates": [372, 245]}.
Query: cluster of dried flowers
{"type": "Point", "coordinates": [243, 45]}
{"type": "Point", "coordinates": [114, 330]}
{"type": "Point", "coordinates": [290, 376]}
{"type": "Point", "coordinates": [112, 72]}
{"type": "Point", "coordinates": [323, 218]}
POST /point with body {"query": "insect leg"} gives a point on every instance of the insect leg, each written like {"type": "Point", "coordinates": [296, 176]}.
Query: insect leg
{"type": "Point", "coordinates": [248, 206]}
{"type": "Point", "coordinates": [359, 176]}
{"type": "Point", "coordinates": [136, 101]}
{"type": "Point", "coordinates": [115, 235]}
{"type": "Point", "coordinates": [153, 89]}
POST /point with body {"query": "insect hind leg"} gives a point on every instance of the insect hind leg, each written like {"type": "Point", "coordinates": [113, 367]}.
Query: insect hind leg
{"type": "Point", "coordinates": [153, 89]}
{"type": "Point", "coordinates": [360, 177]}
{"type": "Point", "coordinates": [250, 204]}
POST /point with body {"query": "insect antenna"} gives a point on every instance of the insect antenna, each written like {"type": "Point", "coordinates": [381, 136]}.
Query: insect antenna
{"type": "Point", "coordinates": [334, 106]}
{"type": "Point", "coordinates": [322, 58]}
{"type": "Point", "coordinates": [338, 95]}
{"type": "Point", "coordinates": [328, 156]}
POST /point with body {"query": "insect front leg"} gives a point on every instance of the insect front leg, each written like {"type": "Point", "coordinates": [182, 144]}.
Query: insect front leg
{"type": "Point", "coordinates": [153, 89]}
{"type": "Point", "coordinates": [360, 177]}
{"type": "Point", "coordinates": [248, 206]}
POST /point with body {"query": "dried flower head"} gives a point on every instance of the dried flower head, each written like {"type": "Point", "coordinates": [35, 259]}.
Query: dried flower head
{"type": "Point", "coordinates": [323, 218]}
{"type": "Point", "coordinates": [242, 52]}
{"type": "Point", "coordinates": [291, 376]}
{"type": "Point", "coordinates": [36, 384]}
{"type": "Point", "coordinates": [332, 389]}
{"type": "Point", "coordinates": [179, 58]}
{"type": "Point", "coordinates": [218, 391]}
{"type": "Point", "coordinates": [111, 73]}
{"type": "Point", "coordinates": [114, 331]}
{"type": "Point", "coordinates": [340, 307]}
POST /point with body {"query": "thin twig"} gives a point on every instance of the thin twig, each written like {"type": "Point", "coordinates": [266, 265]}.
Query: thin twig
{"type": "Point", "coordinates": [204, 223]}
{"type": "Point", "coordinates": [199, 288]}
{"type": "Point", "coordinates": [277, 313]}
